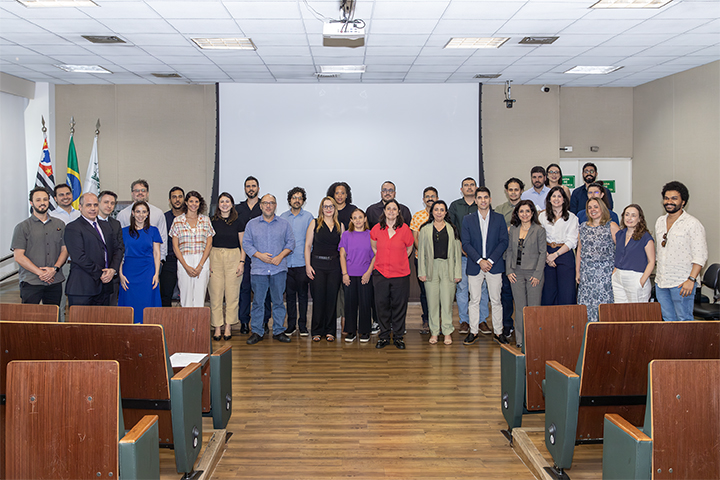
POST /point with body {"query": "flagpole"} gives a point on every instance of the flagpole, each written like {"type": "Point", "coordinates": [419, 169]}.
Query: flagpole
{"type": "Point", "coordinates": [92, 177]}
{"type": "Point", "coordinates": [45, 177]}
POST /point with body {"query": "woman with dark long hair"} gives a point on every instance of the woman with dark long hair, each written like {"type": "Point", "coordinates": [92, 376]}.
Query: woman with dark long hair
{"type": "Point", "coordinates": [634, 258]}
{"type": "Point", "coordinates": [439, 268]}
{"type": "Point", "coordinates": [140, 271]}
{"type": "Point", "coordinates": [322, 265]}
{"type": "Point", "coordinates": [525, 262]}
{"type": "Point", "coordinates": [392, 241]}
{"type": "Point", "coordinates": [192, 234]}
{"type": "Point", "coordinates": [227, 263]}
{"type": "Point", "coordinates": [561, 231]}
{"type": "Point", "coordinates": [554, 177]}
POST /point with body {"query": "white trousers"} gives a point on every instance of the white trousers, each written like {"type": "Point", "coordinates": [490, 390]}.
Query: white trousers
{"type": "Point", "coordinates": [627, 289]}
{"type": "Point", "coordinates": [192, 289]}
{"type": "Point", "coordinates": [494, 285]}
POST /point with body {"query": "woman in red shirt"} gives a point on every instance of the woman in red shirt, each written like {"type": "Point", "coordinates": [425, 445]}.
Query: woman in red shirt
{"type": "Point", "coordinates": [392, 242]}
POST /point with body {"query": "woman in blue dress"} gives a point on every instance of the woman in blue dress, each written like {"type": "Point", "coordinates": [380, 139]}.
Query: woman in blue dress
{"type": "Point", "coordinates": [140, 270]}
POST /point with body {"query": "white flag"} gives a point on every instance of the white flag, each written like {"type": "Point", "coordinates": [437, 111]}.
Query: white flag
{"type": "Point", "coordinates": [92, 177]}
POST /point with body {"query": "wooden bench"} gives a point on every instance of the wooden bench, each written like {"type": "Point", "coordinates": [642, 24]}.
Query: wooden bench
{"type": "Point", "coordinates": [630, 312]}
{"type": "Point", "coordinates": [29, 312]}
{"type": "Point", "coordinates": [65, 424]}
{"type": "Point", "coordinates": [148, 386]}
{"type": "Point", "coordinates": [188, 330]}
{"type": "Point", "coordinates": [680, 438]}
{"type": "Point", "coordinates": [551, 333]}
{"type": "Point", "coordinates": [611, 377]}
{"type": "Point", "coordinates": [99, 314]}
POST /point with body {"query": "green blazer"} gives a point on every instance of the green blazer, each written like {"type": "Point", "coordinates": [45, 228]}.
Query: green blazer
{"type": "Point", "coordinates": [426, 253]}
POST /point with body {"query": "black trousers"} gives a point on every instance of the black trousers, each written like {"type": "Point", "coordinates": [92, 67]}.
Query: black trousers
{"type": "Point", "coordinates": [47, 294]}
{"type": "Point", "coordinates": [391, 301]}
{"type": "Point", "coordinates": [358, 300]}
{"type": "Point", "coordinates": [506, 298]}
{"type": "Point", "coordinates": [324, 288]}
{"type": "Point", "coordinates": [168, 281]}
{"type": "Point", "coordinates": [296, 297]}
{"type": "Point", "coordinates": [103, 298]}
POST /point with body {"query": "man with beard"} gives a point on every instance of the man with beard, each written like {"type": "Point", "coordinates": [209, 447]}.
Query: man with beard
{"type": "Point", "coordinates": [296, 286]}
{"type": "Point", "coordinates": [539, 191]}
{"type": "Point", "coordinates": [64, 198]}
{"type": "Point", "coordinates": [108, 200]}
{"type": "Point", "coordinates": [513, 190]}
{"type": "Point", "coordinates": [579, 197]}
{"type": "Point", "coordinates": [168, 271]}
{"type": "Point", "coordinates": [140, 192]}
{"type": "Point", "coordinates": [430, 196]}
{"type": "Point", "coordinates": [681, 253]}
{"type": "Point", "coordinates": [246, 211]}
{"type": "Point", "coordinates": [39, 250]}
{"type": "Point", "coordinates": [387, 193]}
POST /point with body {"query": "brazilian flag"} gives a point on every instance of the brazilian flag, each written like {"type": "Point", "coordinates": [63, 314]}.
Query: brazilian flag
{"type": "Point", "coordinates": [73, 177]}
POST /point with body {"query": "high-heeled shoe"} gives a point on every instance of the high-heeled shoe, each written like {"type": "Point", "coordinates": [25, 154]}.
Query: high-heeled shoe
{"type": "Point", "coordinates": [226, 337]}
{"type": "Point", "coordinates": [216, 338]}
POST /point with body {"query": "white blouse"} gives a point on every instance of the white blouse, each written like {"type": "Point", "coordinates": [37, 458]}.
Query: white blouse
{"type": "Point", "coordinates": [562, 231]}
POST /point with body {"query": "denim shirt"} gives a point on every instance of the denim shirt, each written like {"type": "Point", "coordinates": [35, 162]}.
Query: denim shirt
{"type": "Point", "coordinates": [268, 237]}
{"type": "Point", "coordinates": [299, 224]}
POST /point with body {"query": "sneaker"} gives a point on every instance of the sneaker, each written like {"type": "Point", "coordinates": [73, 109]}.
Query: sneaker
{"type": "Point", "coordinates": [508, 332]}
{"type": "Point", "coordinates": [465, 327]}
{"type": "Point", "coordinates": [304, 333]}
{"type": "Point", "coordinates": [470, 339]}
{"type": "Point", "coordinates": [365, 338]}
{"type": "Point", "coordinates": [484, 329]}
{"type": "Point", "coordinates": [350, 337]}
{"type": "Point", "coordinates": [375, 329]}
{"type": "Point", "coordinates": [289, 332]}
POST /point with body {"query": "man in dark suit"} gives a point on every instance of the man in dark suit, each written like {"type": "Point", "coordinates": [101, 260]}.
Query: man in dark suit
{"type": "Point", "coordinates": [484, 240]}
{"type": "Point", "coordinates": [107, 201]}
{"type": "Point", "coordinates": [95, 254]}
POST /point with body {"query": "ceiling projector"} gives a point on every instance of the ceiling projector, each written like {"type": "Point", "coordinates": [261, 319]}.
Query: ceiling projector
{"type": "Point", "coordinates": [341, 30]}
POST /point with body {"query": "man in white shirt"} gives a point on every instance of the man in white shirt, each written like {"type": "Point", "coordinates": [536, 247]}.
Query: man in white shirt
{"type": "Point", "coordinates": [140, 192]}
{"type": "Point", "coordinates": [64, 199]}
{"type": "Point", "coordinates": [107, 201]}
{"type": "Point", "coordinates": [681, 253]}
{"type": "Point", "coordinates": [539, 191]}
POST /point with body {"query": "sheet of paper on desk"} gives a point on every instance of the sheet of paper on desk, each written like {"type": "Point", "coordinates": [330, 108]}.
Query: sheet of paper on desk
{"type": "Point", "coordinates": [182, 360]}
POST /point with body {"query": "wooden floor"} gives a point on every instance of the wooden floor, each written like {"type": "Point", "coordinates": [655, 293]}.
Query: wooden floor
{"type": "Point", "coordinates": [308, 410]}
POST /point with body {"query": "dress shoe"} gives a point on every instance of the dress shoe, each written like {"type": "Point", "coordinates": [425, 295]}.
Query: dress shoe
{"type": "Point", "coordinates": [501, 339]}
{"type": "Point", "coordinates": [244, 328]}
{"type": "Point", "coordinates": [484, 329]}
{"type": "Point", "coordinates": [382, 343]}
{"type": "Point", "coordinates": [470, 339]}
{"type": "Point", "coordinates": [254, 338]}
{"type": "Point", "coordinates": [399, 344]}
{"type": "Point", "coordinates": [464, 327]}
{"type": "Point", "coordinates": [281, 337]}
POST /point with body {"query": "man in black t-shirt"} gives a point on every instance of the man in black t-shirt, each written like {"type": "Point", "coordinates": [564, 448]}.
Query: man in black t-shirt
{"type": "Point", "coordinates": [168, 271]}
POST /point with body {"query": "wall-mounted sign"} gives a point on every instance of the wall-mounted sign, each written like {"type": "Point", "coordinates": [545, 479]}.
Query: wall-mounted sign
{"type": "Point", "coordinates": [568, 181]}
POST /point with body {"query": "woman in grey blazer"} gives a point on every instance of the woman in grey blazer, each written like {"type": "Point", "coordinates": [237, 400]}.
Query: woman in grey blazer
{"type": "Point", "coordinates": [525, 262]}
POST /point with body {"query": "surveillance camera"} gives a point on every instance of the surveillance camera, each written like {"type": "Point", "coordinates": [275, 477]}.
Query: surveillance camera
{"type": "Point", "coordinates": [545, 89]}
{"type": "Point", "coordinates": [509, 102]}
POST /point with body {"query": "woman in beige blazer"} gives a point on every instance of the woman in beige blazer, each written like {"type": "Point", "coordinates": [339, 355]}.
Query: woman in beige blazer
{"type": "Point", "coordinates": [439, 267]}
{"type": "Point", "coordinates": [525, 262]}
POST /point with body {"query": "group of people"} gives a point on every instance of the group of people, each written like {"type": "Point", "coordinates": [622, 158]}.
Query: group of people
{"type": "Point", "coordinates": [543, 246]}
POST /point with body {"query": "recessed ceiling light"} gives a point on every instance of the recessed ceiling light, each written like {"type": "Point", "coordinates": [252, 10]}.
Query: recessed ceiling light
{"type": "Point", "coordinates": [83, 68]}
{"type": "Point", "coordinates": [327, 75]}
{"type": "Point", "coordinates": [57, 3]}
{"type": "Point", "coordinates": [537, 40]}
{"type": "Point", "coordinates": [166, 75]}
{"type": "Point", "coordinates": [225, 43]}
{"type": "Point", "coordinates": [592, 70]}
{"type": "Point", "coordinates": [103, 39]}
{"type": "Point", "coordinates": [342, 68]}
{"type": "Point", "coordinates": [631, 3]}
{"type": "Point", "coordinates": [487, 75]}
{"type": "Point", "coordinates": [474, 42]}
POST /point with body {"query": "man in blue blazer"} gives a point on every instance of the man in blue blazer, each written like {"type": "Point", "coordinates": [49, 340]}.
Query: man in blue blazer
{"type": "Point", "coordinates": [485, 239]}
{"type": "Point", "coordinates": [95, 254]}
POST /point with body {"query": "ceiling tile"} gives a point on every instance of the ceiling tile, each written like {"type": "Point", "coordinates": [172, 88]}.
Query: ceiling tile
{"type": "Point", "coordinates": [143, 26]}
{"type": "Point", "coordinates": [468, 28]}
{"type": "Point", "coordinates": [699, 9]}
{"type": "Point", "coordinates": [157, 39]}
{"type": "Point", "coordinates": [395, 51]}
{"type": "Point", "coordinates": [552, 11]}
{"type": "Point", "coordinates": [482, 10]}
{"type": "Point", "coordinates": [133, 10]}
{"type": "Point", "coordinates": [387, 69]}
{"type": "Point", "coordinates": [666, 26]}
{"type": "Point", "coordinates": [408, 10]}
{"type": "Point", "coordinates": [271, 26]}
{"type": "Point", "coordinates": [264, 10]}
{"type": "Point", "coordinates": [389, 40]}
{"type": "Point", "coordinates": [584, 27]}
{"type": "Point", "coordinates": [190, 10]}
{"type": "Point", "coordinates": [402, 26]}
{"type": "Point", "coordinates": [532, 27]}
{"type": "Point", "coordinates": [82, 26]}
{"type": "Point", "coordinates": [206, 27]}
{"type": "Point", "coordinates": [265, 39]}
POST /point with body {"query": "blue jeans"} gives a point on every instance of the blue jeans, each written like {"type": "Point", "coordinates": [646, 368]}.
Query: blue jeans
{"type": "Point", "coordinates": [673, 306]}
{"type": "Point", "coordinates": [260, 286]}
{"type": "Point", "coordinates": [462, 296]}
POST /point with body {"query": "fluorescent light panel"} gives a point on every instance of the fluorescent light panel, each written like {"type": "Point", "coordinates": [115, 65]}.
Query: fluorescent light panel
{"type": "Point", "coordinates": [475, 42]}
{"type": "Point", "coordinates": [631, 3]}
{"type": "Point", "coordinates": [57, 3]}
{"type": "Point", "coordinates": [83, 68]}
{"type": "Point", "coordinates": [225, 43]}
{"type": "Point", "coordinates": [342, 68]}
{"type": "Point", "coordinates": [592, 70]}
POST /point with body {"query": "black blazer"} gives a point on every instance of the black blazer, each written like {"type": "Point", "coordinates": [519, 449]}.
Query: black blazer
{"type": "Point", "coordinates": [88, 256]}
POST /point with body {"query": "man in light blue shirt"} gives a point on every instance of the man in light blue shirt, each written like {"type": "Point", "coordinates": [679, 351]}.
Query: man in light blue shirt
{"type": "Point", "coordinates": [297, 284]}
{"type": "Point", "coordinates": [539, 190]}
{"type": "Point", "coordinates": [268, 240]}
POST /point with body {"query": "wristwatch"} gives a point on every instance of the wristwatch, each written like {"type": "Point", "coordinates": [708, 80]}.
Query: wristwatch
{"type": "Point", "coordinates": [57, 269]}
{"type": "Point", "coordinates": [692, 279]}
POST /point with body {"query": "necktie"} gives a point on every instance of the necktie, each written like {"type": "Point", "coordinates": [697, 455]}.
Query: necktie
{"type": "Point", "coordinates": [103, 242]}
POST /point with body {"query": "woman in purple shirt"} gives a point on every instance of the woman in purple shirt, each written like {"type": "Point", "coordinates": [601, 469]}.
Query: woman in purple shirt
{"type": "Point", "coordinates": [357, 261]}
{"type": "Point", "coordinates": [634, 258]}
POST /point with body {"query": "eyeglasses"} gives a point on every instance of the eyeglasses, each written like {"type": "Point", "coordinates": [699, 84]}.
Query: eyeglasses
{"type": "Point", "coordinates": [664, 242]}
{"type": "Point", "coordinates": [587, 170]}
{"type": "Point", "coordinates": [388, 190]}
{"type": "Point", "coordinates": [140, 190]}
{"type": "Point", "coordinates": [267, 204]}
{"type": "Point", "coordinates": [554, 172]}
{"type": "Point", "coordinates": [328, 207]}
